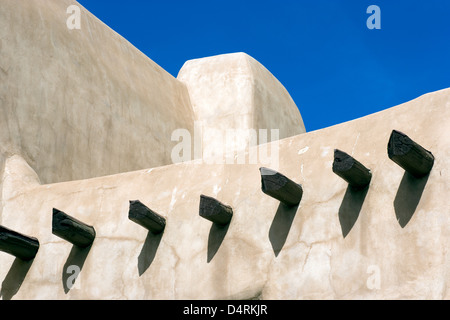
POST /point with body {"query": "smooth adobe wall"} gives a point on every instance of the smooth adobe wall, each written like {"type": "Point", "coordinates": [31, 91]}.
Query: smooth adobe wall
{"type": "Point", "coordinates": [234, 91]}
{"type": "Point", "coordinates": [84, 103]}
{"type": "Point", "coordinates": [388, 242]}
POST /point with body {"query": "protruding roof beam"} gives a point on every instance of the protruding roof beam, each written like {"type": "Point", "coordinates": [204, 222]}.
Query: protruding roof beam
{"type": "Point", "coordinates": [280, 187]}
{"type": "Point", "coordinates": [17, 244]}
{"type": "Point", "coordinates": [409, 155]}
{"type": "Point", "coordinates": [351, 170]}
{"type": "Point", "coordinates": [215, 211]}
{"type": "Point", "coordinates": [72, 230]}
{"type": "Point", "coordinates": [146, 217]}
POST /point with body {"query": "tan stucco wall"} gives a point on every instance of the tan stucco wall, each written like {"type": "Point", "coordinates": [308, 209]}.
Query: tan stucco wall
{"type": "Point", "coordinates": [82, 103]}
{"type": "Point", "coordinates": [267, 252]}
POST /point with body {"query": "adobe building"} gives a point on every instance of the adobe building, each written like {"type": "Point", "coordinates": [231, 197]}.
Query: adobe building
{"type": "Point", "coordinates": [93, 205]}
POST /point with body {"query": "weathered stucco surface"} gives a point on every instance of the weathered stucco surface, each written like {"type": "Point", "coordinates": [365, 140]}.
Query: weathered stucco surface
{"type": "Point", "coordinates": [86, 104]}
{"type": "Point", "coordinates": [396, 249]}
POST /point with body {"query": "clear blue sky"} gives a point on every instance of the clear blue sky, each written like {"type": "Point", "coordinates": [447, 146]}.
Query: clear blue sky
{"type": "Point", "coordinates": [334, 67]}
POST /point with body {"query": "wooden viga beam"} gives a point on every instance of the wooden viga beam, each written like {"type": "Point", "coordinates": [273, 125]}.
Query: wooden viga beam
{"type": "Point", "coordinates": [280, 187]}
{"type": "Point", "coordinates": [145, 217]}
{"type": "Point", "coordinates": [17, 244]}
{"type": "Point", "coordinates": [215, 211]}
{"type": "Point", "coordinates": [409, 155]}
{"type": "Point", "coordinates": [72, 230]}
{"type": "Point", "coordinates": [351, 170]}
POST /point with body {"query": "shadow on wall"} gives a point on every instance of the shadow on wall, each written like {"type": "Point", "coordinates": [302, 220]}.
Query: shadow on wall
{"type": "Point", "coordinates": [216, 235]}
{"type": "Point", "coordinates": [408, 197]}
{"type": "Point", "coordinates": [73, 266]}
{"type": "Point", "coordinates": [14, 279]}
{"type": "Point", "coordinates": [351, 207]}
{"type": "Point", "coordinates": [148, 251]}
{"type": "Point", "coordinates": [281, 225]}
{"type": "Point", "coordinates": [406, 201]}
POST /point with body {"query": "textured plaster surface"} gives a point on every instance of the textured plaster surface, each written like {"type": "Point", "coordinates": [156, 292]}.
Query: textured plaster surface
{"type": "Point", "coordinates": [390, 243]}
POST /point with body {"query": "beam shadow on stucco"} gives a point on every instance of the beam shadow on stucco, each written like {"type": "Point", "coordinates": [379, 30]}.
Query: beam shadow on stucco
{"type": "Point", "coordinates": [73, 266]}
{"type": "Point", "coordinates": [14, 279]}
{"type": "Point", "coordinates": [351, 207]}
{"type": "Point", "coordinates": [281, 225]}
{"type": "Point", "coordinates": [148, 251]}
{"type": "Point", "coordinates": [408, 197]}
{"type": "Point", "coordinates": [216, 235]}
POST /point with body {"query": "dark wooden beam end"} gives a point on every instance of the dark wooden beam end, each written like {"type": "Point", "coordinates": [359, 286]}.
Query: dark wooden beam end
{"type": "Point", "coordinates": [145, 217]}
{"type": "Point", "coordinates": [409, 155]}
{"type": "Point", "coordinates": [280, 187]}
{"type": "Point", "coordinates": [72, 230]}
{"type": "Point", "coordinates": [351, 170]}
{"type": "Point", "coordinates": [215, 211]}
{"type": "Point", "coordinates": [17, 244]}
